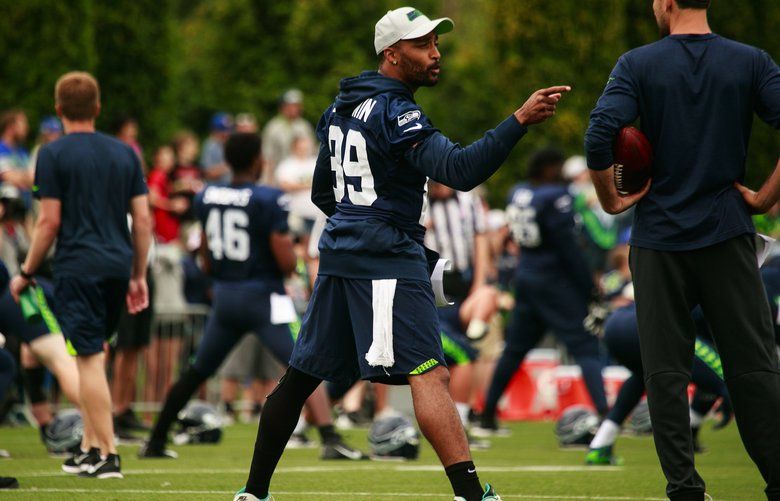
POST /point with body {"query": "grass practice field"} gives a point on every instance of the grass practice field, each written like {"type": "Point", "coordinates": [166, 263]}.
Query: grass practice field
{"type": "Point", "coordinates": [528, 466]}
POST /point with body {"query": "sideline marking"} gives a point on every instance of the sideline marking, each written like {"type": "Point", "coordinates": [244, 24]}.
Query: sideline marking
{"type": "Point", "coordinates": [328, 494]}
{"type": "Point", "coordinates": [330, 469]}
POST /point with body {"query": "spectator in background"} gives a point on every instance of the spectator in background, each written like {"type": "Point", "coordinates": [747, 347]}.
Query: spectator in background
{"type": "Point", "coordinates": [294, 175]}
{"type": "Point", "coordinates": [126, 130]}
{"type": "Point", "coordinates": [186, 178]}
{"type": "Point", "coordinates": [279, 133]}
{"type": "Point", "coordinates": [14, 159]}
{"type": "Point", "coordinates": [166, 209]}
{"type": "Point", "coordinates": [212, 157]}
{"type": "Point", "coordinates": [49, 131]}
{"type": "Point", "coordinates": [246, 122]}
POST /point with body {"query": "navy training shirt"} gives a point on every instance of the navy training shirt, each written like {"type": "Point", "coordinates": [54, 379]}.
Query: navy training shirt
{"type": "Point", "coordinates": [695, 96]}
{"type": "Point", "coordinates": [238, 220]}
{"type": "Point", "coordinates": [541, 220]}
{"type": "Point", "coordinates": [95, 177]}
{"type": "Point", "coordinates": [378, 150]}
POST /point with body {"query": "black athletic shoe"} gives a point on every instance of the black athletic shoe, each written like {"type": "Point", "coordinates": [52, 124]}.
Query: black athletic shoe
{"type": "Point", "coordinates": [129, 421]}
{"type": "Point", "coordinates": [111, 467]}
{"type": "Point", "coordinates": [339, 450]}
{"type": "Point", "coordinates": [150, 450]}
{"type": "Point", "coordinates": [81, 461]}
{"type": "Point", "coordinates": [488, 427]}
{"type": "Point", "coordinates": [8, 483]}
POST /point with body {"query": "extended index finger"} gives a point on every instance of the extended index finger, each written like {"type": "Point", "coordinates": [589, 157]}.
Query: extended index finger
{"type": "Point", "coordinates": [558, 89]}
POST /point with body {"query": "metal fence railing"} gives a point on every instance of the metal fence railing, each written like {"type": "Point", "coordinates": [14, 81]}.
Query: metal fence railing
{"type": "Point", "coordinates": [175, 337]}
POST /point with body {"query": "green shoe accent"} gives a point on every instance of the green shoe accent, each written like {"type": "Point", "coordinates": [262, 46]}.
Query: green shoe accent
{"type": "Point", "coordinates": [490, 494]}
{"type": "Point", "coordinates": [602, 457]}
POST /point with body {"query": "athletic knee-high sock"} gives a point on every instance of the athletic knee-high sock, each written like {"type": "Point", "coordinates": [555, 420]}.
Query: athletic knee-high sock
{"type": "Point", "coordinates": [34, 380]}
{"type": "Point", "coordinates": [627, 398]}
{"type": "Point", "coordinates": [607, 434]}
{"type": "Point", "coordinates": [464, 480]}
{"type": "Point", "coordinates": [277, 422]}
{"type": "Point", "coordinates": [594, 382]}
{"type": "Point", "coordinates": [505, 368]}
{"type": "Point", "coordinates": [177, 398]}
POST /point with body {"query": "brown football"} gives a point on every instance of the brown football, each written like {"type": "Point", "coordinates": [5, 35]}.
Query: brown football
{"type": "Point", "coordinates": [633, 160]}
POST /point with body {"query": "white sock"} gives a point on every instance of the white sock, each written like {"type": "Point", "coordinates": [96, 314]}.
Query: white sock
{"type": "Point", "coordinates": [696, 419]}
{"type": "Point", "coordinates": [607, 434]}
{"type": "Point", "coordinates": [463, 412]}
{"type": "Point", "coordinates": [301, 426]}
{"type": "Point", "coordinates": [476, 329]}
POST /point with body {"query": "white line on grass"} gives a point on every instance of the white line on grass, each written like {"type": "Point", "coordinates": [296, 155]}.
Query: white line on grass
{"type": "Point", "coordinates": [327, 494]}
{"type": "Point", "coordinates": [347, 468]}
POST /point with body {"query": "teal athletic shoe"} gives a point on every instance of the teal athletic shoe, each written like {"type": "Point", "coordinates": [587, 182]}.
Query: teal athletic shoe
{"type": "Point", "coordinates": [489, 495]}
{"type": "Point", "coordinates": [242, 495]}
{"type": "Point", "coordinates": [602, 456]}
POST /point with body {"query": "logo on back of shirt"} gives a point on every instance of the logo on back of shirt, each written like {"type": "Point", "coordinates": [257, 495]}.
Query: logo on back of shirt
{"type": "Point", "coordinates": [407, 117]}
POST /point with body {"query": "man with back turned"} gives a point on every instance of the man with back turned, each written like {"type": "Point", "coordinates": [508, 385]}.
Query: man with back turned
{"type": "Point", "coordinates": [693, 242]}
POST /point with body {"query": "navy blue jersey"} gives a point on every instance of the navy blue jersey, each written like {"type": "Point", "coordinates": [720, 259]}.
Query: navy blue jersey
{"type": "Point", "coordinates": [238, 221]}
{"type": "Point", "coordinates": [695, 96]}
{"type": "Point", "coordinates": [541, 220]}
{"type": "Point", "coordinates": [94, 176]}
{"type": "Point", "coordinates": [378, 150]}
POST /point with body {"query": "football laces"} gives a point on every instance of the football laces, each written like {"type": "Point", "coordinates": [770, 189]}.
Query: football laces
{"type": "Point", "coordinates": [618, 173]}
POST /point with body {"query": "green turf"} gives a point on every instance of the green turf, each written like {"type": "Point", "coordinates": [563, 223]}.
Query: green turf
{"type": "Point", "coordinates": [215, 472]}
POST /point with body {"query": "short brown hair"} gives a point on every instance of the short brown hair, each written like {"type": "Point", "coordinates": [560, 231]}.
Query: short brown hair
{"type": "Point", "coordinates": [8, 118]}
{"type": "Point", "coordinates": [693, 4]}
{"type": "Point", "coordinates": [78, 95]}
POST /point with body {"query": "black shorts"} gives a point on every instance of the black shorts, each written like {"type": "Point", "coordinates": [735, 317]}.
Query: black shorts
{"type": "Point", "coordinates": [88, 310]}
{"type": "Point", "coordinates": [134, 331]}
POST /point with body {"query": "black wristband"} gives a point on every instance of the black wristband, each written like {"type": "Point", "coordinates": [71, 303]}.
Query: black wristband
{"type": "Point", "coordinates": [25, 275]}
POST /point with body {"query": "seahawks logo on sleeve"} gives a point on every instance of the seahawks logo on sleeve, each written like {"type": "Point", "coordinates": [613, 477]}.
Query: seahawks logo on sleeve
{"type": "Point", "coordinates": [409, 116]}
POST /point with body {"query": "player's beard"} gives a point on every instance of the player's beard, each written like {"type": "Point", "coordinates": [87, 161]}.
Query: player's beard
{"type": "Point", "coordinates": [418, 75]}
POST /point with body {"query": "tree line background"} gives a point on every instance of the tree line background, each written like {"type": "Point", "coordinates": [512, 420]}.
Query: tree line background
{"type": "Point", "coordinates": [172, 63]}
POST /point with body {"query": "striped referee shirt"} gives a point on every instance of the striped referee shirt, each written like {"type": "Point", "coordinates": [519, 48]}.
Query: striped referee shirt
{"type": "Point", "coordinates": [452, 224]}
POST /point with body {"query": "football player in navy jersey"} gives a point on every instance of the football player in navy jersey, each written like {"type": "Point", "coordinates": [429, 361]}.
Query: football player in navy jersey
{"type": "Point", "coordinates": [622, 339]}
{"type": "Point", "coordinates": [48, 347]}
{"type": "Point", "coordinates": [553, 283]}
{"type": "Point", "coordinates": [249, 252]}
{"type": "Point", "coordinates": [372, 313]}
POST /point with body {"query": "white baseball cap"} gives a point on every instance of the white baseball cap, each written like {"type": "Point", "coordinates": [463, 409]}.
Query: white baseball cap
{"type": "Point", "coordinates": [407, 23]}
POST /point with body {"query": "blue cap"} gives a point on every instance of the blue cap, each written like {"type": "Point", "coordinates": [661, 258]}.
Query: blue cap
{"type": "Point", "coordinates": [50, 125]}
{"type": "Point", "coordinates": [221, 122]}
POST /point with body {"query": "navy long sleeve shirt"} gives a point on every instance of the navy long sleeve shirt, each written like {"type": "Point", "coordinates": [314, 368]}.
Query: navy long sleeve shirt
{"type": "Point", "coordinates": [378, 151]}
{"type": "Point", "coordinates": [695, 96]}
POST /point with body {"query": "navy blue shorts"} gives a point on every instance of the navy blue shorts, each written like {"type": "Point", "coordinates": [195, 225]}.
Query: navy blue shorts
{"type": "Point", "coordinates": [12, 321]}
{"type": "Point", "coordinates": [88, 310]}
{"type": "Point", "coordinates": [239, 308]}
{"type": "Point", "coordinates": [338, 330]}
{"type": "Point", "coordinates": [456, 346]}
{"type": "Point", "coordinates": [542, 304]}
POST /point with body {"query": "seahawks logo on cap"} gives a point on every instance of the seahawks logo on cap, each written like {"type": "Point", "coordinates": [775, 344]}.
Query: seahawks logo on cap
{"type": "Point", "coordinates": [414, 14]}
{"type": "Point", "coordinates": [407, 117]}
